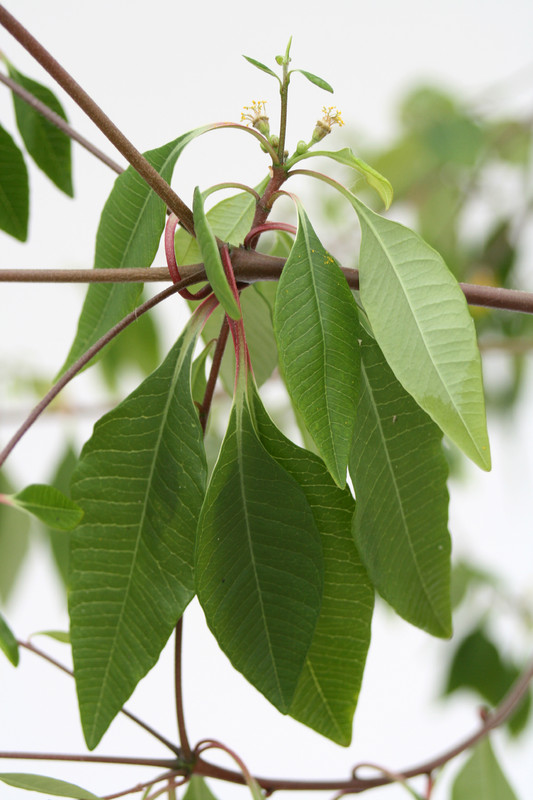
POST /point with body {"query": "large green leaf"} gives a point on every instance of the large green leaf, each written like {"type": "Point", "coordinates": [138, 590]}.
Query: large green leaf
{"type": "Point", "coordinates": [128, 236]}
{"type": "Point", "coordinates": [40, 783]}
{"type": "Point", "coordinates": [399, 474]}
{"type": "Point", "coordinates": [421, 321]}
{"type": "Point", "coordinates": [328, 688]}
{"type": "Point", "coordinates": [140, 480]}
{"type": "Point", "coordinates": [14, 541]}
{"type": "Point", "coordinates": [482, 778]}
{"type": "Point", "coordinates": [259, 566]}
{"type": "Point", "coordinates": [316, 327]}
{"type": "Point", "coordinates": [14, 189]}
{"type": "Point", "coordinates": [60, 544]}
{"type": "Point", "coordinates": [8, 643]}
{"type": "Point", "coordinates": [48, 146]}
{"type": "Point", "coordinates": [49, 505]}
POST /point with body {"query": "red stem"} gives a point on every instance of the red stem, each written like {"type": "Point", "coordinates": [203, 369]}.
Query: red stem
{"type": "Point", "coordinates": [268, 226]}
{"type": "Point", "coordinates": [170, 231]}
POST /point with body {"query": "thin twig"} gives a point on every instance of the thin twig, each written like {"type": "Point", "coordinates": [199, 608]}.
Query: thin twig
{"type": "Point", "coordinates": [84, 359]}
{"type": "Point", "coordinates": [182, 730]}
{"type": "Point", "coordinates": [140, 786]}
{"type": "Point", "coordinates": [214, 372]}
{"type": "Point", "coordinates": [59, 122]}
{"type": "Point", "coordinates": [94, 112]}
{"type": "Point", "coordinates": [36, 651]}
{"type": "Point", "coordinates": [135, 761]}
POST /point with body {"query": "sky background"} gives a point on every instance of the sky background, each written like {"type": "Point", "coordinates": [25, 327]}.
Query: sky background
{"type": "Point", "coordinates": [160, 69]}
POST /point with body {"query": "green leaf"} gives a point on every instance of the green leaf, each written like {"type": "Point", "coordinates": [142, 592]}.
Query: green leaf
{"type": "Point", "coordinates": [8, 643]}
{"type": "Point", "coordinates": [48, 146]}
{"type": "Point", "coordinates": [128, 236]}
{"type": "Point", "coordinates": [197, 789]}
{"type": "Point", "coordinates": [328, 687]}
{"type": "Point", "coordinates": [14, 541]}
{"type": "Point", "coordinates": [316, 327]}
{"type": "Point", "coordinates": [211, 258]}
{"type": "Point", "coordinates": [49, 505]}
{"type": "Point", "coordinates": [259, 567]}
{"type": "Point", "coordinates": [40, 783]}
{"type": "Point", "coordinates": [481, 778]}
{"type": "Point", "coordinates": [399, 475]}
{"type": "Point", "coordinates": [320, 82]}
{"type": "Point", "coordinates": [261, 66]}
{"type": "Point", "coordinates": [58, 636]}
{"type": "Point", "coordinates": [140, 480]}
{"type": "Point", "coordinates": [14, 189]}
{"type": "Point", "coordinates": [421, 321]}
{"type": "Point", "coordinates": [345, 156]}
{"type": "Point", "coordinates": [230, 220]}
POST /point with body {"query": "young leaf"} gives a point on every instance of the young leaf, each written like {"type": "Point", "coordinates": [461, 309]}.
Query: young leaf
{"type": "Point", "coordinates": [40, 783]}
{"type": "Point", "coordinates": [316, 327]}
{"type": "Point", "coordinates": [421, 321]}
{"type": "Point", "coordinates": [8, 643]}
{"type": "Point", "coordinates": [130, 228]}
{"type": "Point", "coordinates": [262, 67]}
{"type": "Point", "coordinates": [258, 563]}
{"type": "Point", "coordinates": [345, 156]}
{"type": "Point", "coordinates": [328, 687]}
{"type": "Point", "coordinates": [211, 258]}
{"type": "Point", "coordinates": [320, 82]}
{"type": "Point", "coordinates": [481, 778]}
{"type": "Point", "coordinates": [399, 475]}
{"type": "Point", "coordinates": [58, 636]}
{"type": "Point", "coordinates": [49, 505]}
{"type": "Point", "coordinates": [48, 146]}
{"type": "Point", "coordinates": [14, 189]}
{"type": "Point", "coordinates": [140, 480]}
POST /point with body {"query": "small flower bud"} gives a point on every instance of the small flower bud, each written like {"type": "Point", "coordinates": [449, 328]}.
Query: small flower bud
{"type": "Point", "coordinates": [302, 147]}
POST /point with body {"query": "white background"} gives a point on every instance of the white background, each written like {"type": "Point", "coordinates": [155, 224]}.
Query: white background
{"type": "Point", "coordinates": [159, 69]}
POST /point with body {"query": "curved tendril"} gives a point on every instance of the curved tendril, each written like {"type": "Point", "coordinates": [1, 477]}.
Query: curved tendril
{"type": "Point", "coordinates": [170, 231]}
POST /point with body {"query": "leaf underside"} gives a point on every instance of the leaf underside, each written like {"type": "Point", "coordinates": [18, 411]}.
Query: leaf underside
{"type": "Point", "coordinates": [140, 480]}
{"type": "Point", "coordinates": [328, 687]}
{"type": "Point", "coordinates": [130, 229]}
{"type": "Point", "coordinates": [399, 474]}
{"type": "Point", "coordinates": [258, 563]}
{"type": "Point", "coordinates": [316, 327]}
{"type": "Point", "coordinates": [421, 321]}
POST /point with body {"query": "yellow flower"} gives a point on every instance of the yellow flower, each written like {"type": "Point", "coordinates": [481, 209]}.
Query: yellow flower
{"type": "Point", "coordinates": [332, 116]}
{"type": "Point", "coordinates": [255, 115]}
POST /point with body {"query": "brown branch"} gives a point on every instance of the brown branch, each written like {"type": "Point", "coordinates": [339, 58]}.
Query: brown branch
{"type": "Point", "coordinates": [356, 785]}
{"type": "Point", "coordinates": [59, 122]}
{"type": "Point", "coordinates": [249, 267]}
{"type": "Point", "coordinates": [94, 112]}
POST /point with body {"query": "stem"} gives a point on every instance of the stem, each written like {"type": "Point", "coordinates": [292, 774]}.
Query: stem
{"type": "Point", "coordinates": [184, 740]}
{"type": "Point", "coordinates": [267, 226]}
{"type": "Point", "coordinates": [140, 786]}
{"type": "Point", "coordinates": [214, 372]}
{"type": "Point", "coordinates": [249, 267]}
{"type": "Point", "coordinates": [168, 763]}
{"type": "Point", "coordinates": [264, 206]}
{"type": "Point", "coordinates": [59, 122]}
{"type": "Point", "coordinates": [84, 359]}
{"type": "Point", "coordinates": [94, 112]}
{"type": "Point", "coordinates": [36, 651]}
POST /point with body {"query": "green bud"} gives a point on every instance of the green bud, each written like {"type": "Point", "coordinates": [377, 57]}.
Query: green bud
{"type": "Point", "coordinates": [302, 147]}
{"type": "Point", "coordinates": [274, 140]}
